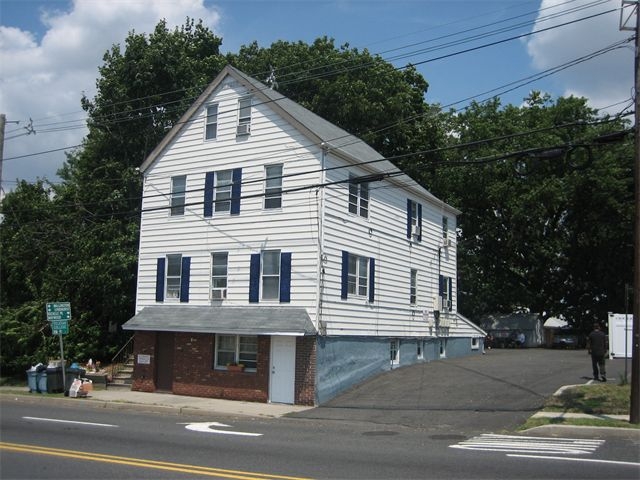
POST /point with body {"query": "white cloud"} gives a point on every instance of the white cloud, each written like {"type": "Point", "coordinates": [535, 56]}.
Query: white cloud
{"type": "Point", "coordinates": [604, 80]}
{"type": "Point", "coordinates": [44, 80]}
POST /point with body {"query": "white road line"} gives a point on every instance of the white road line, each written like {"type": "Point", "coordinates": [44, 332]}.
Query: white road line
{"type": "Point", "coordinates": [593, 460]}
{"type": "Point", "coordinates": [520, 444]}
{"type": "Point", "coordinates": [69, 421]}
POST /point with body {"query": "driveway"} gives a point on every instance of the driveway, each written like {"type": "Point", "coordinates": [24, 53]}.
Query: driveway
{"type": "Point", "coordinates": [495, 392]}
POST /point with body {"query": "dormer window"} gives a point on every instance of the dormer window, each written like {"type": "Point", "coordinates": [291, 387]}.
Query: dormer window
{"type": "Point", "coordinates": [244, 116]}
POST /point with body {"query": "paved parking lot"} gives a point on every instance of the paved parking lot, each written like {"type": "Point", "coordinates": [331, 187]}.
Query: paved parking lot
{"type": "Point", "coordinates": [495, 392]}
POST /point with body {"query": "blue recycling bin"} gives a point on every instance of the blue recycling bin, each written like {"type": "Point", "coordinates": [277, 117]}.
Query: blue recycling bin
{"type": "Point", "coordinates": [41, 377]}
{"type": "Point", "coordinates": [32, 380]}
{"type": "Point", "coordinates": [37, 381]}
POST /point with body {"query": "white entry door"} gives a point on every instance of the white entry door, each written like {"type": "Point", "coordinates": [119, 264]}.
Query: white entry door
{"type": "Point", "coordinates": [283, 369]}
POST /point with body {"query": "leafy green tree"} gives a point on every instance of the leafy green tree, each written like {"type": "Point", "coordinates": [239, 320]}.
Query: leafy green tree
{"type": "Point", "coordinates": [540, 203]}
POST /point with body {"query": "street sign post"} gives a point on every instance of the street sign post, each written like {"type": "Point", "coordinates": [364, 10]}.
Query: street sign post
{"type": "Point", "coordinates": [59, 314]}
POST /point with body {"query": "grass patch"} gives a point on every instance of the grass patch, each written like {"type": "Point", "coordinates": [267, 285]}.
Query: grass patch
{"type": "Point", "coordinates": [602, 398]}
{"type": "Point", "coordinates": [594, 399]}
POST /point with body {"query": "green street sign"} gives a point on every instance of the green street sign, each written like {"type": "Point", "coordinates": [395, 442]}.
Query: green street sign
{"type": "Point", "coordinates": [58, 311]}
{"type": "Point", "coordinates": [60, 327]}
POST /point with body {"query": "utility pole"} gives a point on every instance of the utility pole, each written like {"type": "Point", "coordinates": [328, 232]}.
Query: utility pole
{"type": "Point", "coordinates": [634, 411]}
{"type": "Point", "coordinates": [3, 121]}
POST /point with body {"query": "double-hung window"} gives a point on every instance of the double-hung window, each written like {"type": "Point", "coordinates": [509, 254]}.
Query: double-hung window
{"type": "Point", "coordinates": [211, 128]}
{"type": "Point", "coordinates": [358, 197]}
{"type": "Point", "coordinates": [414, 221]}
{"type": "Point", "coordinates": [236, 349]}
{"type": "Point", "coordinates": [172, 278]}
{"type": "Point", "coordinates": [271, 274]}
{"type": "Point", "coordinates": [446, 293]}
{"type": "Point", "coordinates": [273, 186]}
{"type": "Point", "coordinates": [358, 276]}
{"type": "Point", "coordinates": [244, 116]}
{"type": "Point", "coordinates": [219, 262]}
{"type": "Point", "coordinates": [222, 191]}
{"type": "Point", "coordinates": [358, 280]}
{"type": "Point", "coordinates": [445, 229]}
{"type": "Point", "coordinates": [178, 192]}
{"type": "Point", "coordinates": [413, 289]}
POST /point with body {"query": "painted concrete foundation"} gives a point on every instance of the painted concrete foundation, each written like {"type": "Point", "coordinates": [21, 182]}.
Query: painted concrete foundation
{"type": "Point", "coordinates": [343, 362]}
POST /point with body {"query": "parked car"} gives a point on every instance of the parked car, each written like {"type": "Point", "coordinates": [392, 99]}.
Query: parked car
{"type": "Point", "coordinates": [569, 339]}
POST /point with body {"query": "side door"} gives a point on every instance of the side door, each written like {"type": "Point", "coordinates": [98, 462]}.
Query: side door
{"type": "Point", "coordinates": [282, 374]}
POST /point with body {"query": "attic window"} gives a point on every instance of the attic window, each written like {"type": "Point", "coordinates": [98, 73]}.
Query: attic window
{"type": "Point", "coordinates": [244, 116]}
{"type": "Point", "coordinates": [211, 128]}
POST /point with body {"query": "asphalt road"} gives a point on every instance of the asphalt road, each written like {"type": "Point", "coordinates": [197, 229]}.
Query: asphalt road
{"type": "Point", "coordinates": [495, 392]}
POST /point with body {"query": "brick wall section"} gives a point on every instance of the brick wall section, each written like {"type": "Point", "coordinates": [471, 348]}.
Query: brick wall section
{"type": "Point", "coordinates": [143, 375]}
{"type": "Point", "coordinates": [305, 385]}
{"type": "Point", "coordinates": [195, 376]}
{"type": "Point", "coordinates": [193, 370]}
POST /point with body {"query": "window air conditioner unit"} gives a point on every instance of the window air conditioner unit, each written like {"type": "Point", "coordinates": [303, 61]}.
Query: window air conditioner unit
{"type": "Point", "coordinates": [447, 242]}
{"type": "Point", "coordinates": [244, 129]}
{"type": "Point", "coordinates": [416, 231]}
{"type": "Point", "coordinates": [219, 294]}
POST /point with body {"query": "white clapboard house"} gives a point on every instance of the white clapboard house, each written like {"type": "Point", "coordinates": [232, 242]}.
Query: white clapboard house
{"type": "Point", "coordinates": [283, 259]}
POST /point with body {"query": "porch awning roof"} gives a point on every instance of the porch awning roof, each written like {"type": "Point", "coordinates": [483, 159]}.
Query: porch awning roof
{"type": "Point", "coordinates": [223, 320]}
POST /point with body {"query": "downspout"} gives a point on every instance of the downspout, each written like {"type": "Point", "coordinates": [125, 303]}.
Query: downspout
{"type": "Point", "coordinates": [321, 256]}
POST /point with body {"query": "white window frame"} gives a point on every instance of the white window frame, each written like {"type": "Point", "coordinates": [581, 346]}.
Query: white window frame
{"type": "Point", "coordinates": [445, 293]}
{"type": "Point", "coordinates": [172, 288]}
{"type": "Point", "coordinates": [269, 276]}
{"type": "Point", "coordinates": [394, 351]}
{"type": "Point", "coordinates": [273, 186]}
{"type": "Point", "coordinates": [358, 281]}
{"type": "Point", "coordinates": [415, 222]}
{"type": "Point", "coordinates": [222, 191]}
{"type": "Point", "coordinates": [358, 197]}
{"type": "Point", "coordinates": [244, 110]}
{"type": "Point", "coordinates": [219, 279]}
{"type": "Point", "coordinates": [239, 354]}
{"type": "Point", "coordinates": [445, 228]}
{"type": "Point", "coordinates": [178, 195]}
{"type": "Point", "coordinates": [211, 122]}
{"type": "Point", "coordinates": [413, 288]}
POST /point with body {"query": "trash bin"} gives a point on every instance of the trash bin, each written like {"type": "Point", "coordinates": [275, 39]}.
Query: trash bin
{"type": "Point", "coordinates": [54, 380]}
{"type": "Point", "coordinates": [72, 374]}
{"type": "Point", "coordinates": [41, 377]}
{"type": "Point", "coordinates": [32, 380]}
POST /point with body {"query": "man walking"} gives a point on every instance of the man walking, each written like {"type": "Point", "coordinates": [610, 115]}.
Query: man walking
{"type": "Point", "coordinates": [597, 346]}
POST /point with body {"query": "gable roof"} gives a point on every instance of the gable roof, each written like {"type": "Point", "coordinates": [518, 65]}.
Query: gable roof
{"type": "Point", "coordinates": [322, 132]}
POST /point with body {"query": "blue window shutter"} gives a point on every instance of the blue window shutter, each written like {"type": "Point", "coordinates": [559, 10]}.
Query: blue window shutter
{"type": "Point", "coordinates": [235, 191]}
{"type": "Point", "coordinates": [441, 286]}
{"type": "Point", "coordinates": [420, 221]}
{"type": "Point", "coordinates": [451, 293]}
{"type": "Point", "coordinates": [285, 277]}
{"type": "Point", "coordinates": [409, 218]}
{"type": "Point", "coordinates": [372, 279]}
{"type": "Point", "coordinates": [254, 278]}
{"type": "Point", "coordinates": [184, 279]}
{"type": "Point", "coordinates": [160, 280]}
{"type": "Point", "coordinates": [345, 274]}
{"type": "Point", "coordinates": [208, 194]}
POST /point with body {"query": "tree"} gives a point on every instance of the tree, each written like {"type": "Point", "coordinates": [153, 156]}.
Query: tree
{"type": "Point", "coordinates": [540, 203]}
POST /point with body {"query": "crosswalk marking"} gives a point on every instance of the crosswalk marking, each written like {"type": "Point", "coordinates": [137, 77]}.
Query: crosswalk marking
{"type": "Point", "coordinates": [530, 445]}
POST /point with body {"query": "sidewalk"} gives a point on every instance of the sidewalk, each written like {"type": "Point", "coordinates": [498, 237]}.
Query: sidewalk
{"type": "Point", "coordinates": [121, 399]}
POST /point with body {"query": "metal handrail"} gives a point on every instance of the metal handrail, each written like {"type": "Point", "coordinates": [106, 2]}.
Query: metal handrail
{"type": "Point", "coordinates": [119, 359]}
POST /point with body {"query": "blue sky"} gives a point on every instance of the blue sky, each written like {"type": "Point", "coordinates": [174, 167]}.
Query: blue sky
{"type": "Point", "coordinates": [50, 52]}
